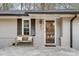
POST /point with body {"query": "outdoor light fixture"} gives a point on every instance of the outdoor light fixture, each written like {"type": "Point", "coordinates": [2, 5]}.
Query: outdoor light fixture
{"type": "Point", "coordinates": [40, 21]}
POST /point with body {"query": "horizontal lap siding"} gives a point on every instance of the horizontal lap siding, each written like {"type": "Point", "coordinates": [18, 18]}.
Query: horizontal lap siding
{"type": "Point", "coordinates": [76, 33]}
{"type": "Point", "coordinates": [8, 28]}
{"type": "Point", "coordinates": [65, 41]}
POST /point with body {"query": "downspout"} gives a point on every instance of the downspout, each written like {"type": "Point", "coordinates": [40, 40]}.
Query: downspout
{"type": "Point", "coordinates": [71, 30]}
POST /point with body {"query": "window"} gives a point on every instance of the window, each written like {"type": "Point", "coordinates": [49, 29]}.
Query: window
{"type": "Point", "coordinates": [26, 27]}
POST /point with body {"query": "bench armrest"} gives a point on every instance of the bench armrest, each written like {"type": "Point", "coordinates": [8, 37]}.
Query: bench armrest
{"type": "Point", "coordinates": [19, 38]}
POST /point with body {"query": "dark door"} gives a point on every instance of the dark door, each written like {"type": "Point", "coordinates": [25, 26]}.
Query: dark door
{"type": "Point", "coordinates": [50, 32]}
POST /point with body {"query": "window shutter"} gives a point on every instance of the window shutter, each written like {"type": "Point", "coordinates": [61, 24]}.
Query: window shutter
{"type": "Point", "coordinates": [33, 27]}
{"type": "Point", "coordinates": [19, 26]}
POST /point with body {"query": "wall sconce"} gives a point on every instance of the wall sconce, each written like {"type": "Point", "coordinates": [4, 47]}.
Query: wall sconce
{"type": "Point", "coordinates": [40, 21]}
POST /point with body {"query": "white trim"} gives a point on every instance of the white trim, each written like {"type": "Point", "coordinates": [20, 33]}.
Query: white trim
{"type": "Point", "coordinates": [22, 27]}
{"type": "Point", "coordinates": [44, 33]}
{"type": "Point", "coordinates": [55, 32]}
{"type": "Point", "coordinates": [30, 26]}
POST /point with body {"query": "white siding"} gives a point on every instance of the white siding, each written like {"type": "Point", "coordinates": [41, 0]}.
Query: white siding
{"type": "Point", "coordinates": [8, 32]}
{"type": "Point", "coordinates": [8, 28]}
{"type": "Point", "coordinates": [39, 38]}
{"type": "Point", "coordinates": [65, 41]}
{"type": "Point", "coordinates": [58, 31]}
{"type": "Point", "coordinates": [76, 33]}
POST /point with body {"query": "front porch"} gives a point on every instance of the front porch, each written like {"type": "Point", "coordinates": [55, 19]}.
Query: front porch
{"type": "Point", "coordinates": [38, 29]}
{"type": "Point", "coordinates": [35, 25]}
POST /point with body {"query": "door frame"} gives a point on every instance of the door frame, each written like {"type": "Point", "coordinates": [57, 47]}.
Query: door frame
{"type": "Point", "coordinates": [45, 31]}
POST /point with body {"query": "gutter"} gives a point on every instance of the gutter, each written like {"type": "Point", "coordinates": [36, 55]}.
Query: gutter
{"type": "Point", "coordinates": [71, 30]}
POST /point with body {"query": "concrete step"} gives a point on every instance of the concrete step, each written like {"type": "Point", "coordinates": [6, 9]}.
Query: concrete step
{"type": "Point", "coordinates": [50, 45]}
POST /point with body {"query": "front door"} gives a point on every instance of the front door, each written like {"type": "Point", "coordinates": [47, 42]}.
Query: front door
{"type": "Point", "coordinates": [50, 32]}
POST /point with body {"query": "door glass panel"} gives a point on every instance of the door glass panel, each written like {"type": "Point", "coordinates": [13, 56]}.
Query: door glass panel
{"type": "Point", "coordinates": [50, 36]}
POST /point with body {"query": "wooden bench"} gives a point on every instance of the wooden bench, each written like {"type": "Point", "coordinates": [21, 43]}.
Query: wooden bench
{"type": "Point", "coordinates": [23, 39]}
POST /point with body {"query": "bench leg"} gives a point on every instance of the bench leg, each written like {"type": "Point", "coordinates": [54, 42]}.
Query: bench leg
{"type": "Point", "coordinates": [15, 42]}
{"type": "Point", "coordinates": [32, 43]}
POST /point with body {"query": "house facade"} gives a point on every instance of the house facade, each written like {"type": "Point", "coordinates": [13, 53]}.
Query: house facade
{"type": "Point", "coordinates": [48, 28]}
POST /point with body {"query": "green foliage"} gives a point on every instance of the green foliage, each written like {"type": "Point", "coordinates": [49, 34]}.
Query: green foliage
{"type": "Point", "coordinates": [7, 6]}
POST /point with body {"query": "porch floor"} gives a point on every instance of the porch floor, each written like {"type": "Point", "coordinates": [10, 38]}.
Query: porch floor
{"type": "Point", "coordinates": [38, 51]}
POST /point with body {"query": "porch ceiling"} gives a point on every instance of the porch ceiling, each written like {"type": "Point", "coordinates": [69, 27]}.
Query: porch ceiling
{"type": "Point", "coordinates": [39, 16]}
{"type": "Point", "coordinates": [50, 15]}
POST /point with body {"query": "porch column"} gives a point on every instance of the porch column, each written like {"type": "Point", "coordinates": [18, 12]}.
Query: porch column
{"type": "Point", "coordinates": [65, 39]}
{"type": "Point", "coordinates": [58, 31]}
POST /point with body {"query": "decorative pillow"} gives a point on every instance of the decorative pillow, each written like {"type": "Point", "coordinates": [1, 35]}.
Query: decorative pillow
{"type": "Point", "coordinates": [24, 38]}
